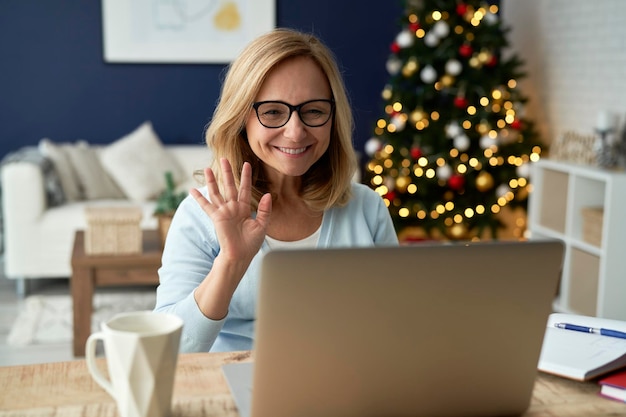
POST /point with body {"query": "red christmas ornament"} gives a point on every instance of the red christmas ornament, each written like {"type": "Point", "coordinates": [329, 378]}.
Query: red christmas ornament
{"type": "Point", "coordinates": [395, 48]}
{"type": "Point", "coordinates": [413, 27]}
{"type": "Point", "coordinates": [460, 102]}
{"type": "Point", "coordinates": [466, 50]}
{"type": "Point", "coordinates": [461, 9]}
{"type": "Point", "coordinates": [456, 182]}
{"type": "Point", "coordinates": [391, 195]}
{"type": "Point", "coordinates": [516, 124]}
{"type": "Point", "coordinates": [416, 152]}
{"type": "Point", "coordinates": [492, 61]}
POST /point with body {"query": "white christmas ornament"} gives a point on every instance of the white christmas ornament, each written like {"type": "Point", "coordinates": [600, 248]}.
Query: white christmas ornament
{"type": "Point", "coordinates": [454, 67]}
{"type": "Point", "coordinates": [444, 172]}
{"type": "Point", "coordinates": [453, 130]}
{"type": "Point", "coordinates": [428, 74]}
{"type": "Point", "coordinates": [441, 29]}
{"type": "Point", "coordinates": [372, 146]}
{"type": "Point", "coordinates": [431, 40]}
{"type": "Point", "coordinates": [523, 170]}
{"type": "Point", "coordinates": [394, 65]}
{"type": "Point", "coordinates": [461, 142]}
{"type": "Point", "coordinates": [487, 142]}
{"type": "Point", "coordinates": [399, 122]}
{"type": "Point", "coordinates": [491, 18]}
{"type": "Point", "coordinates": [405, 39]}
{"type": "Point", "coordinates": [502, 190]}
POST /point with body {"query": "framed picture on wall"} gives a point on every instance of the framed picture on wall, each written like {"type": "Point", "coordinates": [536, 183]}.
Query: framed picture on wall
{"type": "Point", "coordinates": [182, 31]}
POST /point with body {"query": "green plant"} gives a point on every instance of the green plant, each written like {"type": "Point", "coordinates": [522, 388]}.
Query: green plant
{"type": "Point", "coordinates": [169, 200]}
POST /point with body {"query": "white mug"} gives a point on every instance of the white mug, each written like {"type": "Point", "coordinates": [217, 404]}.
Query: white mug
{"type": "Point", "coordinates": [141, 350]}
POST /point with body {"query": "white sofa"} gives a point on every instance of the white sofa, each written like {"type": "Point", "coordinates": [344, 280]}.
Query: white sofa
{"type": "Point", "coordinates": [38, 238]}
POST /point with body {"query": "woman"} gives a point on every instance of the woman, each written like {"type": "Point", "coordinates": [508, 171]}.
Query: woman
{"type": "Point", "coordinates": [281, 137]}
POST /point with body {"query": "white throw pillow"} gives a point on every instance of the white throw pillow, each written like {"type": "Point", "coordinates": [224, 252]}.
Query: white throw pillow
{"type": "Point", "coordinates": [138, 162]}
{"type": "Point", "coordinates": [93, 179]}
{"type": "Point", "coordinates": [61, 161]}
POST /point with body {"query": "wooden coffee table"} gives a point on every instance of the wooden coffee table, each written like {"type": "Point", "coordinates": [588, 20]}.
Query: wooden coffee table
{"type": "Point", "coordinates": [91, 271]}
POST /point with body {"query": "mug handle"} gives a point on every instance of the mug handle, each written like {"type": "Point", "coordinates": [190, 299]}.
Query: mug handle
{"type": "Point", "coordinates": [90, 356]}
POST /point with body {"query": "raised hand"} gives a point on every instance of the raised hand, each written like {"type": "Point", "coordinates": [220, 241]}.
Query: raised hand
{"type": "Point", "coordinates": [240, 235]}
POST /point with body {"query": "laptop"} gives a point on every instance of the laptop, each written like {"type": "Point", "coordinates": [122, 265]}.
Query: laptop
{"type": "Point", "coordinates": [423, 330]}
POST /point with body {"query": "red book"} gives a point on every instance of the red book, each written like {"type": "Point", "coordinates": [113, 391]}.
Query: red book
{"type": "Point", "coordinates": [614, 386]}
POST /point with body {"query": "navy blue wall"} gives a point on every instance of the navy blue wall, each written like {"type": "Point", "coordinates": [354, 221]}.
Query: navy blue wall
{"type": "Point", "coordinates": [54, 82]}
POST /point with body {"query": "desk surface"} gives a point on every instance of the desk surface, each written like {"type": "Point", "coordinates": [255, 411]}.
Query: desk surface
{"type": "Point", "coordinates": [66, 389]}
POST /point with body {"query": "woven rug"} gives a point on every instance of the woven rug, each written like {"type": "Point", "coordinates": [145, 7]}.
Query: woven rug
{"type": "Point", "coordinates": [46, 319]}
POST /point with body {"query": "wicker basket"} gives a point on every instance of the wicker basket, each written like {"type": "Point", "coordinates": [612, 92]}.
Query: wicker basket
{"type": "Point", "coordinates": [113, 230]}
{"type": "Point", "coordinates": [592, 225]}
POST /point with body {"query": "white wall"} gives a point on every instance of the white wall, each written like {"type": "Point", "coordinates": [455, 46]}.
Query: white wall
{"type": "Point", "coordinates": [575, 57]}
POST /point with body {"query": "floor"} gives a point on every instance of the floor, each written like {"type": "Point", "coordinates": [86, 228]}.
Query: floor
{"type": "Point", "coordinates": [10, 305]}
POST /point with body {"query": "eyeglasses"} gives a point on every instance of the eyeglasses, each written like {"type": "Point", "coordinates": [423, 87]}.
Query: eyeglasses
{"type": "Point", "coordinates": [275, 114]}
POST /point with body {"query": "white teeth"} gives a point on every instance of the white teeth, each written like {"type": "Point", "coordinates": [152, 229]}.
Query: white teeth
{"type": "Point", "coordinates": [292, 151]}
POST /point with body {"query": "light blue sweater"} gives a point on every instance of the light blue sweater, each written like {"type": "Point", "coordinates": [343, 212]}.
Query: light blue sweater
{"type": "Point", "coordinates": [192, 246]}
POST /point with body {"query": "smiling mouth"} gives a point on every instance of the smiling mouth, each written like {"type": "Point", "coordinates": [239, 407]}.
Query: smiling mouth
{"type": "Point", "coordinates": [293, 151]}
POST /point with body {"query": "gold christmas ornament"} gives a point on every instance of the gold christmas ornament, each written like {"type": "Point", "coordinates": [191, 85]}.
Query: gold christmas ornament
{"type": "Point", "coordinates": [522, 194]}
{"type": "Point", "coordinates": [402, 183]}
{"type": "Point", "coordinates": [475, 62]}
{"type": "Point", "coordinates": [457, 231]}
{"type": "Point", "coordinates": [483, 127]}
{"type": "Point", "coordinates": [409, 69]}
{"type": "Point", "coordinates": [484, 181]}
{"type": "Point", "coordinates": [447, 80]}
{"type": "Point", "coordinates": [387, 93]}
{"type": "Point", "coordinates": [484, 56]}
{"type": "Point", "coordinates": [417, 115]}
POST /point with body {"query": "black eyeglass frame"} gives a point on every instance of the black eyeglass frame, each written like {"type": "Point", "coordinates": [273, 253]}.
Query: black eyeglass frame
{"type": "Point", "coordinates": [295, 108]}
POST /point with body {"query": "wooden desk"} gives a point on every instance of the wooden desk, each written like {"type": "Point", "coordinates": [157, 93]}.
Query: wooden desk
{"type": "Point", "coordinates": [67, 389]}
{"type": "Point", "coordinates": [91, 271]}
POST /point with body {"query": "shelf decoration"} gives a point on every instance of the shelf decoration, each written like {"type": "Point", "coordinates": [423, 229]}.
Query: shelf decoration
{"type": "Point", "coordinates": [605, 145]}
{"type": "Point", "coordinates": [574, 147]}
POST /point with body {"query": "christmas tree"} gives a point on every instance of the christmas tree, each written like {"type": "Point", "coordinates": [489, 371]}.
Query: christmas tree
{"type": "Point", "coordinates": [453, 147]}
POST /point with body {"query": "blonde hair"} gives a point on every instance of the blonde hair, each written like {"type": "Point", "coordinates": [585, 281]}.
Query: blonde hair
{"type": "Point", "coordinates": [327, 183]}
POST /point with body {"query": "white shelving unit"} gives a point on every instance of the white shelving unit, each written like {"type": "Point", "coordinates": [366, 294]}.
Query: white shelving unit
{"type": "Point", "coordinates": [593, 281]}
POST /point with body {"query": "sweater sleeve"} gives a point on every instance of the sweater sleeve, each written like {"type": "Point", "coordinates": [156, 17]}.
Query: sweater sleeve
{"type": "Point", "coordinates": [377, 216]}
{"type": "Point", "coordinates": [190, 249]}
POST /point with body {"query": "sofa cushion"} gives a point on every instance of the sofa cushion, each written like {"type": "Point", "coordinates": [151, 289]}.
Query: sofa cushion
{"type": "Point", "coordinates": [56, 152]}
{"type": "Point", "coordinates": [95, 182]}
{"type": "Point", "coordinates": [138, 162]}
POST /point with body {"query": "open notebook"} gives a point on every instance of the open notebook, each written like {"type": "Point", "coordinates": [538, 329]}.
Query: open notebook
{"type": "Point", "coordinates": [578, 355]}
{"type": "Point", "coordinates": [425, 330]}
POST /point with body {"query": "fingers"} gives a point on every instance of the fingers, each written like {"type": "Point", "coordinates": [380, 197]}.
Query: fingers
{"type": "Point", "coordinates": [214, 192]}
{"type": "Point", "coordinates": [203, 202]}
{"type": "Point", "coordinates": [230, 190]}
{"type": "Point", "coordinates": [245, 186]}
{"type": "Point", "coordinates": [264, 210]}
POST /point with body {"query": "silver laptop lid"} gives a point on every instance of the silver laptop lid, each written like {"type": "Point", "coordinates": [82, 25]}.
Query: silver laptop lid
{"type": "Point", "coordinates": [425, 330]}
